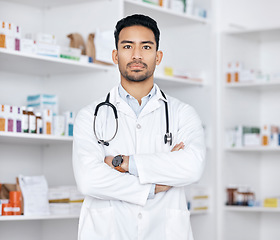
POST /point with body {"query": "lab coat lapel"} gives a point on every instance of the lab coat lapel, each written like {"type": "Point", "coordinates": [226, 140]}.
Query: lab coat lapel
{"type": "Point", "coordinates": [120, 104]}
{"type": "Point", "coordinates": [154, 103]}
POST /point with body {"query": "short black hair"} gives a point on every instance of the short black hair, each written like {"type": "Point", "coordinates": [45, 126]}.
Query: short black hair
{"type": "Point", "coordinates": [137, 20]}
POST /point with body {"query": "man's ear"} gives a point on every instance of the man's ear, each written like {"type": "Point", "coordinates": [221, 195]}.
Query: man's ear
{"type": "Point", "coordinates": [115, 56]}
{"type": "Point", "coordinates": [159, 57]}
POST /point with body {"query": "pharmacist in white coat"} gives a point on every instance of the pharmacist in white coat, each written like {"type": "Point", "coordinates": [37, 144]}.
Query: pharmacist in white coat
{"type": "Point", "coordinates": [134, 187]}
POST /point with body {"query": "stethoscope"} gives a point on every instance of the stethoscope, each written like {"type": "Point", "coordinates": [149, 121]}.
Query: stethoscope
{"type": "Point", "coordinates": [167, 136]}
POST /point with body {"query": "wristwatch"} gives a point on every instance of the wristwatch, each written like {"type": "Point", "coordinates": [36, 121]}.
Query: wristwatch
{"type": "Point", "coordinates": [117, 161]}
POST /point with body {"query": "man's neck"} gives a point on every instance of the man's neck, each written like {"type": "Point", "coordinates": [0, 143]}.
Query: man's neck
{"type": "Point", "coordinates": [138, 89]}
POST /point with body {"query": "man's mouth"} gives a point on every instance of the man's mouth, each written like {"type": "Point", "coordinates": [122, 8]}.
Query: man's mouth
{"type": "Point", "coordinates": [136, 66]}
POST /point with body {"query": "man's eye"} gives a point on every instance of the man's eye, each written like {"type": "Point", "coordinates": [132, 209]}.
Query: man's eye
{"type": "Point", "coordinates": [127, 47]}
{"type": "Point", "coordinates": [147, 47]}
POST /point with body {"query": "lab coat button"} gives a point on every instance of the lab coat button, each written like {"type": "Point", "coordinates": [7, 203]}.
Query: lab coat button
{"type": "Point", "coordinates": [138, 126]}
{"type": "Point", "coordinates": [140, 215]}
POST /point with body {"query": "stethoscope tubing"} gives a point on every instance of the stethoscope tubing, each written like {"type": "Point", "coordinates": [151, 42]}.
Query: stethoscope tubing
{"type": "Point", "coordinates": [167, 136]}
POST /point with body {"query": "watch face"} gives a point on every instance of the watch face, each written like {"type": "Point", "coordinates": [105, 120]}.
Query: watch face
{"type": "Point", "coordinates": [117, 161]}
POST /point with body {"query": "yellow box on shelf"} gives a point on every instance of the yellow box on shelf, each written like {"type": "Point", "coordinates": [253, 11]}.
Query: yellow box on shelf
{"type": "Point", "coordinates": [271, 202]}
{"type": "Point", "coordinates": [168, 71]}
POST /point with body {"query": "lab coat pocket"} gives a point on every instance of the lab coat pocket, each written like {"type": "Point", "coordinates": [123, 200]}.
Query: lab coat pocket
{"type": "Point", "coordinates": [98, 224]}
{"type": "Point", "coordinates": [178, 225]}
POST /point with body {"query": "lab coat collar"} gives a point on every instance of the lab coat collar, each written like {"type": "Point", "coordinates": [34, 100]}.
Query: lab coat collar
{"type": "Point", "coordinates": [122, 106]}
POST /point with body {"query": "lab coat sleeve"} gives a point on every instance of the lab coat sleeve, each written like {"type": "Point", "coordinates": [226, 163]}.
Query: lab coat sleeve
{"type": "Point", "coordinates": [94, 177]}
{"type": "Point", "coordinates": [179, 168]}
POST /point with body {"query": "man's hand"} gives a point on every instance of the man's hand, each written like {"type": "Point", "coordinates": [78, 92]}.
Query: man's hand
{"type": "Point", "coordinates": [108, 160]}
{"type": "Point", "coordinates": [178, 147]}
{"type": "Point", "coordinates": [161, 188]}
{"type": "Point", "coordinates": [164, 188]}
{"type": "Point", "coordinates": [125, 165]}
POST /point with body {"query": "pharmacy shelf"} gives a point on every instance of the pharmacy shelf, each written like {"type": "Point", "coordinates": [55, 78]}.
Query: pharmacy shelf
{"type": "Point", "coordinates": [40, 217]}
{"type": "Point", "coordinates": [176, 80]}
{"type": "Point", "coordinates": [51, 3]}
{"type": "Point", "coordinates": [168, 16]}
{"type": "Point", "coordinates": [251, 209]}
{"type": "Point", "coordinates": [62, 216]}
{"type": "Point", "coordinates": [254, 149]}
{"type": "Point", "coordinates": [272, 84]}
{"type": "Point", "coordinates": [29, 138]}
{"type": "Point", "coordinates": [32, 64]}
{"type": "Point", "coordinates": [256, 34]}
{"type": "Point", "coordinates": [198, 212]}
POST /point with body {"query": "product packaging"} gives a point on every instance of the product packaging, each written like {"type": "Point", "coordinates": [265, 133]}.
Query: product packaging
{"type": "Point", "coordinates": [265, 135]}
{"type": "Point", "coordinates": [11, 119]}
{"type": "Point", "coordinates": [273, 202]}
{"type": "Point", "coordinates": [69, 123]}
{"type": "Point", "coordinates": [10, 39]}
{"type": "Point", "coordinates": [3, 34]}
{"type": "Point", "coordinates": [47, 50]}
{"type": "Point", "coordinates": [18, 119]}
{"type": "Point", "coordinates": [198, 198]}
{"type": "Point", "coordinates": [31, 120]}
{"type": "Point", "coordinates": [189, 7]}
{"type": "Point", "coordinates": [177, 6]}
{"type": "Point", "coordinates": [46, 38]}
{"type": "Point", "coordinates": [17, 38]}
{"type": "Point", "coordinates": [3, 201]}
{"type": "Point", "coordinates": [27, 46]}
{"type": "Point", "coordinates": [59, 125]}
{"type": "Point", "coordinates": [3, 117]}
{"type": "Point", "coordinates": [39, 123]}
{"type": "Point", "coordinates": [24, 120]}
{"type": "Point", "coordinates": [71, 53]}
{"type": "Point", "coordinates": [47, 121]}
{"type": "Point", "coordinates": [41, 102]}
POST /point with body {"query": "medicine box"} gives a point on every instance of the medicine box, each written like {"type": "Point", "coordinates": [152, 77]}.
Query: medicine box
{"type": "Point", "coordinates": [69, 123]}
{"type": "Point", "coordinates": [46, 38]}
{"type": "Point", "coordinates": [43, 101]}
{"type": "Point", "coordinates": [272, 202]}
{"type": "Point", "coordinates": [70, 53]}
{"type": "Point", "coordinates": [48, 50]}
{"type": "Point", "coordinates": [198, 198]}
{"type": "Point", "coordinates": [59, 125]}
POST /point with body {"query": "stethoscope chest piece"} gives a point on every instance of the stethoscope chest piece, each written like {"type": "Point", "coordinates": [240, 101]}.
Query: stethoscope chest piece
{"type": "Point", "coordinates": [168, 138]}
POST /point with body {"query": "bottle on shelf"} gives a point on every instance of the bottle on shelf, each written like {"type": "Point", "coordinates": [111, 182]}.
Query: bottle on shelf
{"type": "Point", "coordinates": [39, 123]}
{"type": "Point", "coordinates": [24, 120]}
{"type": "Point", "coordinates": [265, 134]}
{"type": "Point", "coordinates": [31, 120]}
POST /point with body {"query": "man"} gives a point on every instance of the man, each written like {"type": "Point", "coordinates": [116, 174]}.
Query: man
{"type": "Point", "coordinates": [134, 186]}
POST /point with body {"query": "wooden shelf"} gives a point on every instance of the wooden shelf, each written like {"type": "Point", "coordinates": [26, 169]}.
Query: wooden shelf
{"type": "Point", "coordinates": [29, 138]}
{"type": "Point", "coordinates": [168, 16]}
{"type": "Point", "coordinates": [25, 63]}
{"type": "Point", "coordinates": [251, 209]}
{"type": "Point", "coordinates": [40, 217]}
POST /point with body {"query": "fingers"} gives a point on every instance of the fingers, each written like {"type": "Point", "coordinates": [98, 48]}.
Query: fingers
{"type": "Point", "coordinates": [161, 188]}
{"type": "Point", "coordinates": [178, 147]}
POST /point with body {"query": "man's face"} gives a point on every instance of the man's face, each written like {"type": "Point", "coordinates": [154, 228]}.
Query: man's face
{"type": "Point", "coordinates": [137, 56]}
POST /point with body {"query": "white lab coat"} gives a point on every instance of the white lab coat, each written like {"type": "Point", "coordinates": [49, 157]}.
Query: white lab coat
{"type": "Point", "coordinates": [116, 205]}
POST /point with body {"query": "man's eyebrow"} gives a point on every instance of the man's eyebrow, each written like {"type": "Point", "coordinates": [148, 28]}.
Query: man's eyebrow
{"type": "Point", "coordinates": [149, 42]}
{"type": "Point", "coordinates": [143, 42]}
{"type": "Point", "coordinates": [126, 41]}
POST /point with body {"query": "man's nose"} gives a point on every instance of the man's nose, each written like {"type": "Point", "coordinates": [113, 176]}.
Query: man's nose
{"type": "Point", "coordinates": [137, 54]}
